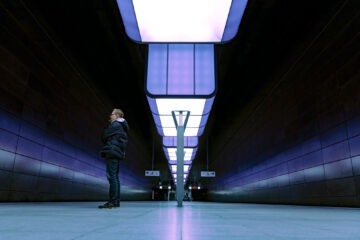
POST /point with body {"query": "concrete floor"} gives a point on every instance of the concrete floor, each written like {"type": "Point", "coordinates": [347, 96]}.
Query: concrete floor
{"type": "Point", "coordinates": [163, 220]}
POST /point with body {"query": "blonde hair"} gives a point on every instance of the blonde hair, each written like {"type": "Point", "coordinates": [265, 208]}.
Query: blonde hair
{"type": "Point", "coordinates": [118, 112]}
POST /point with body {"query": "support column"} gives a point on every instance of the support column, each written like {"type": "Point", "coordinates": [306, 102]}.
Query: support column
{"type": "Point", "coordinates": [180, 128]}
{"type": "Point", "coordinates": [180, 165]}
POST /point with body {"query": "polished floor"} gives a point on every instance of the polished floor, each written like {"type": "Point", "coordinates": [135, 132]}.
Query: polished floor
{"type": "Point", "coordinates": [163, 220]}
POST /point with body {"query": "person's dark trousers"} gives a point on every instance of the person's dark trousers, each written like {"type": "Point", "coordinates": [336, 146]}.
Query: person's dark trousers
{"type": "Point", "coordinates": [112, 174]}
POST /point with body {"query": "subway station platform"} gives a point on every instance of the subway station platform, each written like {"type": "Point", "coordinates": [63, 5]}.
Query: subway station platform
{"type": "Point", "coordinates": [164, 220]}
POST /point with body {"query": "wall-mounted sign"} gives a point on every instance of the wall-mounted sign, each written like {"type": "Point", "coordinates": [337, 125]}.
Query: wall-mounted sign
{"type": "Point", "coordinates": [152, 173]}
{"type": "Point", "coordinates": [207, 173]}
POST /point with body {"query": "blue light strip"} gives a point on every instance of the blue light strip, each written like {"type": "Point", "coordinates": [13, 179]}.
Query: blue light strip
{"type": "Point", "coordinates": [188, 142]}
{"type": "Point", "coordinates": [237, 10]}
{"type": "Point", "coordinates": [127, 11]}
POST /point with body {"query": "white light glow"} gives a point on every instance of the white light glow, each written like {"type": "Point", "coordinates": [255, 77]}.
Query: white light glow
{"type": "Point", "coordinates": [188, 153]}
{"type": "Point", "coordinates": [174, 168]}
{"type": "Point", "coordinates": [187, 158]}
{"type": "Point", "coordinates": [173, 158]}
{"type": "Point", "coordinates": [181, 20]}
{"type": "Point", "coordinates": [192, 132]}
{"type": "Point", "coordinates": [189, 132]}
{"type": "Point", "coordinates": [170, 132]}
{"type": "Point", "coordinates": [165, 106]}
{"type": "Point", "coordinates": [168, 121]}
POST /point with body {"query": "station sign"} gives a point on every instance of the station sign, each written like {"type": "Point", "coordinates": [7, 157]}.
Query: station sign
{"type": "Point", "coordinates": [152, 173]}
{"type": "Point", "coordinates": [208, 174]}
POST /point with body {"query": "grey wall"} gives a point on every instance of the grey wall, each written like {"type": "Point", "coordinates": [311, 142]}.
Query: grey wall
{"type": "Point", "coordinates": [298, 141]}
{"type": "Point", "coordinates": [51, 120]}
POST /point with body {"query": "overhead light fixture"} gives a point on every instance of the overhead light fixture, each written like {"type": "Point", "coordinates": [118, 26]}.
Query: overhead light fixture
{"type": "Point", "coordinates": [170, 154]}
{"type": "Point", "coordinates": [155, 21]}
{"type": "Point", "coordinates": [186, 168]}
{"type": "Point", "coordinates": [190, 142]}
{"type": "Point", "coordinates": [180, 75]}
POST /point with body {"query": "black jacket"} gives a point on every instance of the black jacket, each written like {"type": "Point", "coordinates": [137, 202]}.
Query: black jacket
{"type": "Point", "coordinates": [115, 139]}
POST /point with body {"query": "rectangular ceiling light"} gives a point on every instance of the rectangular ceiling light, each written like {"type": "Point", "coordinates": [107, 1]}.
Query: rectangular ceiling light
{"type": "Point", "coordinates": [188, 152]}
{"type": "Point", "coordinates": [188, 141]}
{"type": "Point", "coordinates": [166, 105]}
{"type": "Point", "coordinates": [180, 69]}
{"type": "Point", "coordinates": [174, 168]}
{"type": "Point", "coordinates": [171, 155]}
{"type": "Point", "coordinates": [180, 77]}
{"type": "Point", "coordinates": [181, 20]}
{"type": "Point", "coordinates": [154, 21]}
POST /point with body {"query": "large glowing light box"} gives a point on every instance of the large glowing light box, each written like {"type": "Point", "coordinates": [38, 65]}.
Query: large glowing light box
{"type": "Point", "coordinates": [170, 148]}
{"type": "Point", "coordinates": [186, 168]}
{"type": "Point", "coordinates": [180, 73]}
{"type": "Point", "coordinates": [180, 77]}
{"type": "Point", "coordinates": [156, 21]}
{"type": "Point", "coordinates": [170, 153]}
{"type": "Point", "coordinates": [174, 176]}
{"type": "Point", "coordinates": [188, 142]}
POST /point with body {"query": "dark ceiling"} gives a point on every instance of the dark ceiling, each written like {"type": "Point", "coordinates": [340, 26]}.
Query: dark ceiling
{"type": "Point", "coordinates": [272, 37]}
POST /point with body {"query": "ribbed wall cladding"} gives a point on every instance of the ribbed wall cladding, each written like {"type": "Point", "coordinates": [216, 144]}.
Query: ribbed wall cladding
{"type": "Point", "coordinates": [302, 145]}
{"type": "Point", "coordinates": [51, 120]}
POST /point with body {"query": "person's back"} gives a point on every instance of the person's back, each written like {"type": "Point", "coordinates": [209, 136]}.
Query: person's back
{"type": "Point", "coordinates": [115, 139]}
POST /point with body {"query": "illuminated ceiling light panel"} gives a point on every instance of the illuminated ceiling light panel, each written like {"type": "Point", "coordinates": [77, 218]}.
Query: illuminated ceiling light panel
{"type": "Point", "coordinates": [188, 152]}
{"type": "Point", "coordinates": [190, 132]}
{"type": "Point", "coordinates": [155, 21]}
{"type": "Point", "coordinates": [195, 106]}
{"type": "Point", "coordinates": [180, 69]}
{"type": "Point", "coordinates": [180, 77]}
{"type": "Point", "coordinates": [168, 121]}
{"type": "Point", "coordinates": [188, 141]}
{"type": "Point", "coordinates": [172, 156]}
{"type": "Point", "coordinates": [174, 168]}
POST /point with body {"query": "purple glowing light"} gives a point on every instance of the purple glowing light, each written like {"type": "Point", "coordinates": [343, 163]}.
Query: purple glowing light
{"type": "Point", "coordinates": [172, 141]}
{"type": "Point", "coordinates": [151, 21]}
{"type": "Point", "coordinates": [204, 69]}
{"type": "Point", "coordinates": [157, 69]}
{"type": "Point", "coordinates": [180, 69]}
{"type": "Point", "coordinates": [232, 25]}
{"type": "Point", "coordinates": [127, 11]}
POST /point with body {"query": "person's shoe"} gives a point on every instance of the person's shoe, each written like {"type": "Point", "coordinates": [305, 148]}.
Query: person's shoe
{"type": "Point", "coordinates": [107, 205]}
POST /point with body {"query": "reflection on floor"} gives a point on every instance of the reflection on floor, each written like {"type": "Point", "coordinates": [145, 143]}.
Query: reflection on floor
{"type": "Point", "coordinates": [163, 220]}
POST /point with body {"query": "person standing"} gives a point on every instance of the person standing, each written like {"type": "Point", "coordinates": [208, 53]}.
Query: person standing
{"type": "Point", "coordinates": [115, 139]}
